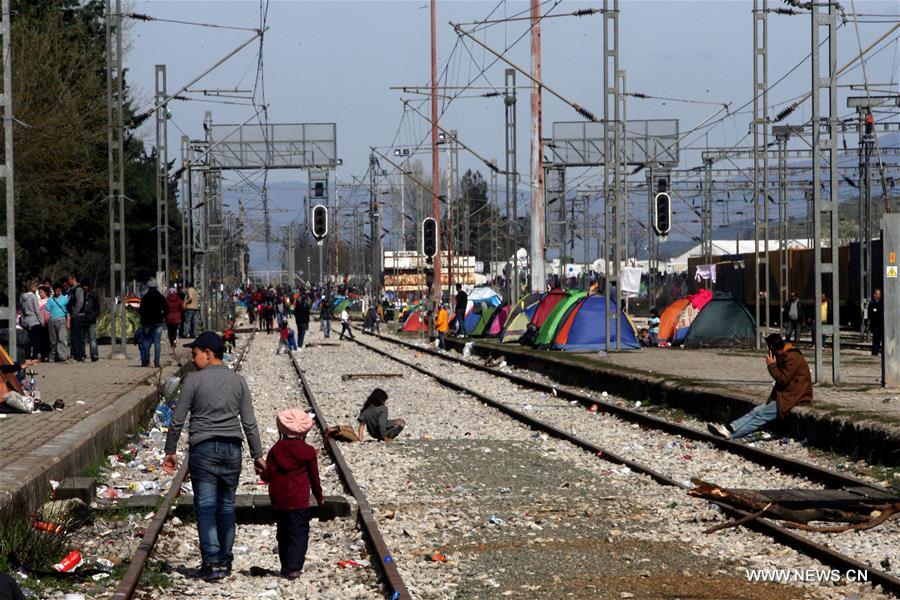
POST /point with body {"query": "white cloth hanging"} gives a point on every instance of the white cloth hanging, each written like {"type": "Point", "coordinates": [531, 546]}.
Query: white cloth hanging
{"type": "Point", "coordinates": [705, 272]}
{"type": "Point", "coordinates": [630, 281]}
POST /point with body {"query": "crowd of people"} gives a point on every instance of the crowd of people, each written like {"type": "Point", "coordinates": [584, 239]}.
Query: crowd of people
{"type": "Point", "coordinates": [59, 318]}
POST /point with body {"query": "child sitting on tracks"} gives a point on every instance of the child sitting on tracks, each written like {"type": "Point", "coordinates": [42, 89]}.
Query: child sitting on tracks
{"type": "Point", "coordinates": [374, 418]}
{"type": "Point", "coordinates": [286, 338]}
{"type": "Point", "coordinates": [291, 472]}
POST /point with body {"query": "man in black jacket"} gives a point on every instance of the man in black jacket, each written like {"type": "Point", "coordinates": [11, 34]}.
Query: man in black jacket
{"type": "Point", "coordinates": [301, 316]}
{"type": "Point", "coordinates": [462, 300]}
{"type": "Point", "coordinates": [876, 322]}
{"type": "Point", "coordinates": [76, 310]}
{"type": "Point", "coordinates": [153, 313]}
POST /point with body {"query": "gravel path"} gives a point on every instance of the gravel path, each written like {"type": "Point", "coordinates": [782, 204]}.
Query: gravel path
{"type": "Point", "coordinates": [677, 457]}
{"type": "Point", "coordinates": [564, 522]}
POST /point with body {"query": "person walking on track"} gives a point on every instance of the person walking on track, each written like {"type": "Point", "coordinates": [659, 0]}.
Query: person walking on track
{"type": "Point", "coordinates": [220, 406]}
{"type": "Point", "coordinates": [345, 325]}
{"type": "Point", "coordinates": [462, 301]}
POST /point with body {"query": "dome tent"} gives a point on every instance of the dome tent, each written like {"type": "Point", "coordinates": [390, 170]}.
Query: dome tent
{"type": "Point", "coordinates": [722, 323]}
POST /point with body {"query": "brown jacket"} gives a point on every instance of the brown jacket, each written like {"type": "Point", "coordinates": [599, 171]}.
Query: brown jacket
{"type": "Point", "coordinates": [793, 381]}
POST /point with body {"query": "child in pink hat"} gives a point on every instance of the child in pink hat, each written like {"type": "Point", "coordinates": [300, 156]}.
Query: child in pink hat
{"type": "Point", "coordinates": [291, 472]}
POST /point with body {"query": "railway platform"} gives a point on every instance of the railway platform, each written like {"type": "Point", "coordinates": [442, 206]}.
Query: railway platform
{"type": "Point", "coordinates": [856, 416]}
{"type": "Point", "coordinates": [103, 401]}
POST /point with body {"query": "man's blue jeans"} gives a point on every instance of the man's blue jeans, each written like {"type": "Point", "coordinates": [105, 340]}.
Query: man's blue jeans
{"type": "Point", "coordinates": [92, 340]}
{"type": "Point", "coordinates": [753, 420]}
{"type": "Point", "coordinates": [461, 322]}
{"type": "Point", "coordinates": [151, 335]}
{"type": "Point", "coordinates": [215, 468]}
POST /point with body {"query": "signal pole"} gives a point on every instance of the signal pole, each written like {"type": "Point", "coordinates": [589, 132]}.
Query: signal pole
{"type": "Point", "coordinates": [761, 162]}
{"type": "Point", "coordinates": [538, 278]}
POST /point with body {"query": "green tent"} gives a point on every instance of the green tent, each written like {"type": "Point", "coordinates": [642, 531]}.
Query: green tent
{"type": "Point", "coordinates": [722, 323]}
{"type": "Point", "coordinates": [557, 317]}
{"type": "Point", "coordinates": [483, 321]}
{"type": "Point", "coordinates": [519, 317]}
{"type": "Point", "coordinates": [132, 322]}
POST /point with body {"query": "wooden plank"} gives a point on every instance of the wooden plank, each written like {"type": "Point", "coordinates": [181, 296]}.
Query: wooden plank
{"type": "Point", "coordinates": [350, 376]}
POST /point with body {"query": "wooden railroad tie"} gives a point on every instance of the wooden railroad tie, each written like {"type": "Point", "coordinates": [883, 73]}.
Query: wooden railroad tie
{"type": "Point", "coordinates": [858, 507]}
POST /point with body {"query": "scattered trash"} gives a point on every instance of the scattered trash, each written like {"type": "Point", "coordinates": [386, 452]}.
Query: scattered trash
{"type": "Point", "coordinates": [70, 562]}
{"type": "Point", "coordinates": [528, 407]}
{"type": "Point", "coordinates": [346, 564]}
{"type": "Point", "coordinates": [438, 557]}
{"type": "Point", "coordinates": [240, 549]}
{"type": "Point", "coordinates": [637, 404]}
{"type": "Point", "coordinates": [505, 490]}
{"type": "Point", "coordinates": [784, 441]}
{"type": "Point", "coordinates": [495, 520]}
{"type": "Point", "coordinates": [80, 402]}
{"type": "Point", "coordinates": [388, 559]}
{"type": "Point", "coordinates": [604, 394]}
{"type": "Point", "coordinates": [48, 527]}
{"type": "Point", "coordinates": [99, 576]}
{"type": "Point", "coordinates": [593, 408]}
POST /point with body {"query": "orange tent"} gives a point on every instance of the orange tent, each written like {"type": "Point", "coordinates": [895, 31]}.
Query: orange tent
{"type": "Point", "coordinates": [416, 322]}
{"type": "Point", "coordinates": [668, 318]}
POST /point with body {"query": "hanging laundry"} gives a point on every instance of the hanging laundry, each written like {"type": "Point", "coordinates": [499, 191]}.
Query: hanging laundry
{"type": "Point", "coordinates": [630, 281]}
{"type": "Point", "coordinates": [704, 272]}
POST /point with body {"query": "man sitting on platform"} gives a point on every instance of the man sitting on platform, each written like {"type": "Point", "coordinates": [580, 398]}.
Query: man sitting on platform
{"type": "Point", "coordinates": [793, 386]}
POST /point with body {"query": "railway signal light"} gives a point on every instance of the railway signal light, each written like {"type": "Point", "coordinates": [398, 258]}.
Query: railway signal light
{"type": "Point", "coordinates": [662, 208]}
{"type": "Point", "coordinates": [870, 124]}
{"type": "Point", "coordinates": [429, 237]}
{"type": "Point", "coordinates": [319, 189]}
{"type": "Point", "coordinates": [320, 221]}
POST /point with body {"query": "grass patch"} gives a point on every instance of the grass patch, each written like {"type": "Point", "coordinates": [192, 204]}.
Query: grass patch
{"type": "Point", "coordinates": [22, 547]}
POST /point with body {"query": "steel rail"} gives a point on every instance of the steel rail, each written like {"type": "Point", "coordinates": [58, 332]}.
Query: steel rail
{"type": "Point", "coordinates": [785, 536]}
{"type": "Point", "coordinates": [394, 582]}
{"type": "Point", "coordinates": [129, 583]}
{"type": "Point", "coordinates": [751, 453]}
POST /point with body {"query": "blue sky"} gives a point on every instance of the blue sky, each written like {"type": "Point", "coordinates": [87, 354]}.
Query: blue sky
{"type": "Point", "coordinates": [336, 61]}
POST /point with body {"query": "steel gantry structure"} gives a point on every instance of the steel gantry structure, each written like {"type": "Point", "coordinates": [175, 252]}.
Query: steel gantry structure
{"type": "Point", "coordinates": [8, 241]}
{"type": "Point", "coordinates": [116, 165]}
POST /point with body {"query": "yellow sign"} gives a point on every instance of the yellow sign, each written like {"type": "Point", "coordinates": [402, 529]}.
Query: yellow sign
{"type": "Point", "coordinates": [892, 257]}
{"type": "Point", "coordinates": [892, 272]}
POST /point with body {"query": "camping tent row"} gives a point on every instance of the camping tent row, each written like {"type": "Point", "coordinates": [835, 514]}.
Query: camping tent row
{"type": "Point", "coordinates": [571, 321]}
{"type": "Point", "coordinates": [706, 320]}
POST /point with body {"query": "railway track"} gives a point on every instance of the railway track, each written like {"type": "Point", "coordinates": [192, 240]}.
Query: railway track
{"type": "Point", "coordinates": [129, 583]}
{"type": "Point", "coordinates": [392, 583]}
{"type": "Point", "coordinates": [804, 544]}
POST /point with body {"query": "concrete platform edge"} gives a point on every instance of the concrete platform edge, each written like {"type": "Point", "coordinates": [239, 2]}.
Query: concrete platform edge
{"type": "Point", "coordinates": [867, 439]}
{"type": "Point", "coordinates": [25, 483]}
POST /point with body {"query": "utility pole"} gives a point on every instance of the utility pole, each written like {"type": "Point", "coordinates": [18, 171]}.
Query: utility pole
{"type": "Point", "coordinates": [162, 180]}
{"type": "Point", "coordinates": [824, 147]}
{"type": "Point", "coordinates": [435, 162]}
{"type": "Point", "coordinates": [403, 208]}
{"type": "Point", "coordinates": [8, 312]}
{"type": "Point", "coordinates": [116, 165]}
{"type": "Point", "coordinates": [538, 230]}
{"type": "Point", "coordinates": [291, 259]}
{"type": "Point", "coordinates": [706, 212]}
{"type": "Point", "coordinates": [761, 162]}
{"type": "Point", "coordinates": [511, 178]}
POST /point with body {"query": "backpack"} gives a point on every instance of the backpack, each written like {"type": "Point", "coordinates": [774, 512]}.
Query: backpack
{"type": "Point", "coordinates": [341, 433]}
{"type": "Point", "coordinates": [91, 307]}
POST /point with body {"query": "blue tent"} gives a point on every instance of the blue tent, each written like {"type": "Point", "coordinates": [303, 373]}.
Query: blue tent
{"type": "Point", "coordinates": [584, 328]}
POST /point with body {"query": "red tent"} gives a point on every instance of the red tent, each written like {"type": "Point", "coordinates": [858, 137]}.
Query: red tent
{"type": "Point", "coordinates": [547, 304]}
{"type": "Point", "coordinates": [415, 322]}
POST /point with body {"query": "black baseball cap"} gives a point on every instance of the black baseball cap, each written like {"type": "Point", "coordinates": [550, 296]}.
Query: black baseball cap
{"type": "Point", "coordinates": [207, 340]}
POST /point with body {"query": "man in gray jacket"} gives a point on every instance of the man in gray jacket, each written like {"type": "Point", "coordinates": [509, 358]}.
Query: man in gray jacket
{"type": "Point", "coordinates": [219, 403]}
{"type": "Point", "coordinates": [32, 319]}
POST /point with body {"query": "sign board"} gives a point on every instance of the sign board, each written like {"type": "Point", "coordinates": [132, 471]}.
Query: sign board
{"type": "Point", "coordinates": [891, 272]}
{"type": "Point", "coordinates": [892, 257]}
{"type": "Point", "coordinates": [273, 146]}
{"type": "Point", "coordinates": [580, 143]}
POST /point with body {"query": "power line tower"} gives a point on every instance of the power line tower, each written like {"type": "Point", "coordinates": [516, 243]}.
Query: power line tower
{"type": "Point", "coordinates": [614, 200]}
{"type": "Point", "coordinates": [511, 178]}
{"type": "Point", "coordinates": [824, 148]}
{"type": "Point", "coordinates": [116, 164]}
{"type": "Point", "coordinates": [761, 162]}
{"type": "Point", "coordinates": [162, 181]}
{"type": "Point", "coordinates": [8, 242]}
